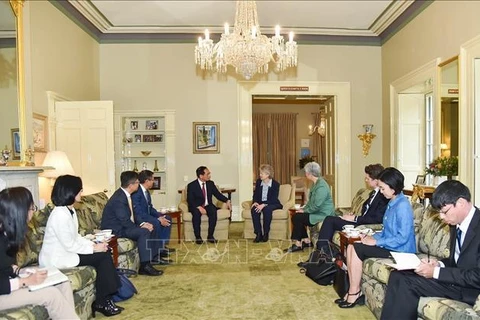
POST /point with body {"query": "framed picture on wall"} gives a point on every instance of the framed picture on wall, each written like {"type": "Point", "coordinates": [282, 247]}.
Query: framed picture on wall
{"type": "Point", "coordinates": [157, 182]}
{"type": "Point", "coordinates": [206, 137]}
{"type": "Point", "coordinates": [420, 179]}
{"type": "Point", "coordinates": [304, 152]}
{"type": "Point", "coordinates": [39, 132]}
{"type": "Point", "coordinates": [16, 148]}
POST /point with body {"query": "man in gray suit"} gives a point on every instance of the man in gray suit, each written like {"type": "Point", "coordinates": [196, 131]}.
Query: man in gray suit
{"type": "Point", "coordinates": [458, 276]}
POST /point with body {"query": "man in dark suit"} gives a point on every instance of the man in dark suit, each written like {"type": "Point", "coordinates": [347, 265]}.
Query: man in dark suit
{"type": "Point", "coordinates": [199, 199]}
{"type": "Point", "coordinates": [458, 276]}
{"type": "Point", "coordinates": [373, 208]}
{"type": "Point", "coordinates": [118, 216]}
{"type": "Point", "coordinates": [144, 212]}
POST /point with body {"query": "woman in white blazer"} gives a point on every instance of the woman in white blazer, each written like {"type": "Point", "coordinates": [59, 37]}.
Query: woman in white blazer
{"type": "Point", "coordinates": [64, 247]}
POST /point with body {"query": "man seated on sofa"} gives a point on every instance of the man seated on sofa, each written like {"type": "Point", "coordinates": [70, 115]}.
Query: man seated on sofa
{"type": "Point", "coordinates": [144, 212]}
{"type": "Point", "coordinates": [372, 210]}
{"type": "Point", "coordinates": [458, 276]}
{"type": "Point", "coordinates": [199, 199]}
{"type": "Point", "coordinates": [118, 216]}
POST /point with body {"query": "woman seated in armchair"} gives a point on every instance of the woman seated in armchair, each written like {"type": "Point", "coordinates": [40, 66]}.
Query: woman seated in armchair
{"type": "Point", "coordinates": [16, 209]}
{"type": "Point", "coordinates": [397, 235]}
{"type": "Point", "coordinates": [265, 201]}
{"type": "Point", "coordinates": [64, 247]}
{"type": "Point", "coordinates": [318, 207]}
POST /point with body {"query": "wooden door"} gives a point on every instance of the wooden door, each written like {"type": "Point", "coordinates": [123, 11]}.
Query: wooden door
{"type": "Point", "coordinates": [330, 149]}
{"type": "Point", "coordinates": [84, 131]}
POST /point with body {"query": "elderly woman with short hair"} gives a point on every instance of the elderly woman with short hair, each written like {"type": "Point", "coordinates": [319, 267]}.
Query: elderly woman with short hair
{"type": "Point", "coordinates": [265, 201]}
{"type": "Point", "coordinates": [318, 207]}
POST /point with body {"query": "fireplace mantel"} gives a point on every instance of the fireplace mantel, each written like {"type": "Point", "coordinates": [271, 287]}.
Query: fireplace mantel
{"type": "Point", "coordinates": [22, 176]}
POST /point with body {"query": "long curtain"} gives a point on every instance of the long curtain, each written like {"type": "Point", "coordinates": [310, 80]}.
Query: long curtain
{"type": "Point", "coordinates": [260, 129]}
{"type": "Point", "coordinates": [274, 138]}
{"type": "Point", "coordinates": [317, 145]}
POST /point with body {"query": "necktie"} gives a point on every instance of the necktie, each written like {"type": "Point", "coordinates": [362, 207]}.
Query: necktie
{"type": "Point", "coordinates": [369, 200]}
{"type": "Point", "coordinates": [149, 199]}
{"type": "Point", "coordinates": [131, 208]}
{"type": "Point", "coordinates": [204, 193]}
{"type": "Point", "coordinates": [459, 239]}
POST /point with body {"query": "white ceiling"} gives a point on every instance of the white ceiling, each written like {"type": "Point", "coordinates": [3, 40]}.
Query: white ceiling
{"type": "Point", "coordinates": [355, 18]}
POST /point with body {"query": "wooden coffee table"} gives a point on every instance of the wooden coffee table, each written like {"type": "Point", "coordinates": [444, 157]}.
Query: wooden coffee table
{"type": "Point", "coordinates": [177, 214]}
{"type": "Point", "coordinates": [345, 240]}
{"type": "Point", "coordinates": [113, 244]}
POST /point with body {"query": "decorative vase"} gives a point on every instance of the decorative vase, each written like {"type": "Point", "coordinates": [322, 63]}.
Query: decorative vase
{"type": "Point", "coordinates": [439, 179]}
{"type": "Point", "coordinates": [155, 168]}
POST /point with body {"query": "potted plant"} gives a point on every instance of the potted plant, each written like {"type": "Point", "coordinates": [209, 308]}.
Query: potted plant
{"type": "Point", "coordinates": [303, 161]}
{"type": "Point", "coordinates": [443, 166]}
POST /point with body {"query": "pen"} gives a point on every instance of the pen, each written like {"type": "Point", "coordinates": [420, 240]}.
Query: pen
{"type": "Point", "coordinates": [428, 255]}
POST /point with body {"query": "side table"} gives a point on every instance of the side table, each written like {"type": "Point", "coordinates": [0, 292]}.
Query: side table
{"type": "Point", "coordinates": [113, 244]}
{"type": "Point", "coordinates": [177, 214]}
{"type": "Point", "coordinates": [345, 240]}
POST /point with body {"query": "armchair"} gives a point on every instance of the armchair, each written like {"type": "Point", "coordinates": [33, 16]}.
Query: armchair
{"type": "Point", "coordinates": [223, 220]}
{"type": "Point", "coordinates": [280, 225]}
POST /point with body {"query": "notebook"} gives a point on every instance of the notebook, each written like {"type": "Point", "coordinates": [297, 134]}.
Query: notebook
{"type": "Point", "coordinates": [404, 261]}
{"type": "Point", "coordinates": [54, 277]}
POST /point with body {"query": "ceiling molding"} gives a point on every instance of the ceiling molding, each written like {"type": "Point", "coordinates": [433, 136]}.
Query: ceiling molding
{"type": "Point", "coordinates": [389, 16]}
{"type": "Point", "coordinates": [89, 11]}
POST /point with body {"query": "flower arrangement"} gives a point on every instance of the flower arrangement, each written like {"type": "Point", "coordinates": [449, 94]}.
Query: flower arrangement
{"type": "Point", "coordinates": [443, 166]}
{"type": "Point", "coordinates": [303, 161]}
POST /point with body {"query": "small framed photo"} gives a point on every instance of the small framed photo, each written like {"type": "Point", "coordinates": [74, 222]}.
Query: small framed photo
{"type": "Point", "coordinates": [16, 148]}
{"type": "Point", "coordinates": [151, 125]}
{"type": "Point", "coordinates": [420, 180]}
{"type": "Point", "coordinates": [157, 182]}
{"type": "Point", "coordinates": [304, 152]}
{"type": "Point", "coordinates": [148, 138]}
{"type": "Point", "coordinates": [158, 138]}
{"type": "Point", "coordinates": [39, 132]}
{"type": "Point", "coordinates": [206, 137]}
{"type": "Point", "coordinates": [137, 138]}
{"type": "Point", "coordinates": [134, 125]}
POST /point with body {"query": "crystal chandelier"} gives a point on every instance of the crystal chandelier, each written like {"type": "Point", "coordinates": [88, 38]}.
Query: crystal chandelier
{"type": "Point", "coordinates": [246, 49]}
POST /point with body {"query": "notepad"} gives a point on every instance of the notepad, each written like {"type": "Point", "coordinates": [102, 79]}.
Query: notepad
{"type": "Point", "coordinates": [54, 277]}
{"type": "Point", "coordinates": [404, 261]}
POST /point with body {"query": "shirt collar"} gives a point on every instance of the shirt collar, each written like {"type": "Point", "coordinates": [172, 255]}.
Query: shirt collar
{"type": "Point", "coordinates": [126, 193]}
{"type": "Point", "coordinates": [269, 184]}
{"type": "Point", "coordinates": [200, 182]}
{"type": "Point", "coordinates": [143, 188]}
{"type": "Point", "coordinates": [466, 222]}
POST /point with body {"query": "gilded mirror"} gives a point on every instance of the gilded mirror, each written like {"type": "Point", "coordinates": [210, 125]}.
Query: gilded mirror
{"type": "Point", "coordinates": [449, 138]}
{"type": "Point", "coordinates": [12, 121]}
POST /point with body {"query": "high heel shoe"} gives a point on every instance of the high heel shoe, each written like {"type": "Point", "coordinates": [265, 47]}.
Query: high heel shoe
{"type": "Point", "coordinates": [345, 297]}
{"type": "Point", "coordinates": [106, 309]}
{"type": "Point", "coordinates": [360, 301]}
{"type": "Point", "coordinates": [110, 301]}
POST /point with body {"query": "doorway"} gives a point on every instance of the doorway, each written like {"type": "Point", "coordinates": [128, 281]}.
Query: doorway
{"type": "Point", "coordinates": [342, 156]}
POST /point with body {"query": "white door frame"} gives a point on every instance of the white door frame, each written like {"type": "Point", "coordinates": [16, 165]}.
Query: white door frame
{"type": "Point", "coordinates": [343, 125]}
{"type": "Point", "coordinates": [420, 75]}
{"type": "Point", "coordinates": [468, 106]}
{"type": "Point", "coordinates": [52, 98]}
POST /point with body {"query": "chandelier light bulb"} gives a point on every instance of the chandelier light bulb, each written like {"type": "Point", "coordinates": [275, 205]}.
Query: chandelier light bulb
{"type": "Point", "coordinates": [199, 41]}
{"type": "Point", "coordinates": [290, 37]}
{"type": "Point", "coordinates": [277, 31]}
{"type": "Point", "coordinates": [207, 34]}
{"type": "Point", "coordinates": [254, 32]}
{"type": "Point", "coordinates": [227, 30]}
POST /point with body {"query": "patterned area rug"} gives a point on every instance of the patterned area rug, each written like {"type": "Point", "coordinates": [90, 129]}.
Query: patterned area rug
{"type": "Point", "coordinates": [235, 279]}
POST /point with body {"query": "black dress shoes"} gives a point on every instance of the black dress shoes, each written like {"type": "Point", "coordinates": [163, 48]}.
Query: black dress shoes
{"type": "Point", "coordinates": [212, 240]}
{"type": "Point", "coordinates": [265, 237]}
{"type": "Point", "coordinates": [199, 241]}
{"type": "Point", "coordinates": [169, 250]}
{"type": "Point", "coordinates": [161, 262]}
{"type": "Point", "coordinates": [106, 308]}
{"type": "Point", "coordinates": [110, 301]}
{"type": "Point", "coordinates": [307, 245]}
{"type": "Point", "coordinates": [258, 238]}
{"type": "Point", "coordinates": [293, 248]}
{"type": "Point", "coordinates": [149, 270]}
{"type": "Point", "coordinates": [164, 254]}
{"type": "Point", "coordinates": [360, 301]}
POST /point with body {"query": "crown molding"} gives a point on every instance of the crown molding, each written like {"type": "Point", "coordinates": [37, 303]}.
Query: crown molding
{"type": "Point", "coordinates": [389, 16]}
{"type": "Point", "coordinates": [89, 11]}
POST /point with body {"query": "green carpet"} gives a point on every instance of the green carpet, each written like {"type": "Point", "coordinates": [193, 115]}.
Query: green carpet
{"type": "Point", "coordinates": [237, 279]}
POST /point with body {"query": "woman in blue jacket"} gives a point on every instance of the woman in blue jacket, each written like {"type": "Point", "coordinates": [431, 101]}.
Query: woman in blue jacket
{"type": "Point", "coordinates": [397, 235]}
{"type": "Point", "coordinates": [265, 201]}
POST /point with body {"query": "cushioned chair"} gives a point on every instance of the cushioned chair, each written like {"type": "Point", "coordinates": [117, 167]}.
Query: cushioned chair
{"type": "Point", "coordinates": [223, 220]}
{"type": "Point", "coordinates": [301, 189]}
{"type": "Point", "coordinates": [279, 228]}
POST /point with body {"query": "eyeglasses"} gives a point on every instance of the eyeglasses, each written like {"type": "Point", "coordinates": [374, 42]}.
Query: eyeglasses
{"type": "Point", "coordinates": [445, 212]}
{"type": "Point", "coordinates": [34, 208]}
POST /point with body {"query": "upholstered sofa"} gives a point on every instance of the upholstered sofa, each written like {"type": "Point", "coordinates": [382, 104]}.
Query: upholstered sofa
{"type": "Point", "coordinates": [431, 234]}
{"type": "Point", "coordinates": [223, 220]}
{"type": "Point", "coordinates": [279, 228]}
{"type": "Point", "coordinates": [89, 212]}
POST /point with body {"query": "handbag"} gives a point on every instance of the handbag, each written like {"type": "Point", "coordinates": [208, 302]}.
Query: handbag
{"type": "Point", "coordinates": [340, 281]}
{"type": "Point", "coordinates": [127, 289]}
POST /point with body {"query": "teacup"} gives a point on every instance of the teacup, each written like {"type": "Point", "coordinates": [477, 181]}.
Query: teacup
{"type": "Point", "coordinates": [354, 233]}
{"type": "Point", "coordinates": [296, 206]}
{"type": "Point", "coordinates": [348, 227]}
{"type": "Point", "coordinates": [163, 209]}
{"type": "Point", "coordinates": [172, 208]}
{"type": "Point", "coordinates": [107, 232]}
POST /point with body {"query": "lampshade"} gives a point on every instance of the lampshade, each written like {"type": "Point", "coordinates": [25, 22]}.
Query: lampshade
{"type": "Point", "coordinates": [59, 161]}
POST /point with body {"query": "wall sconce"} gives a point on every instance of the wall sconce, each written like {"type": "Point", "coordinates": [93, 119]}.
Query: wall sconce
{"type": "Point", "coordinates": [443, 148]}
{"type": "Point", "coordinates": [321, 129]}
{"type": "Point", "coordinates": [366, 138]}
